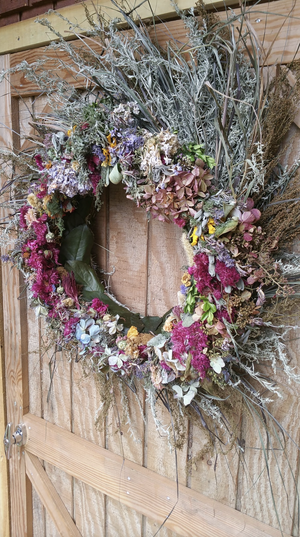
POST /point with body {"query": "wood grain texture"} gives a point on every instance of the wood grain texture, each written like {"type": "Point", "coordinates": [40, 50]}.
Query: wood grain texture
{"type": "Point", "coordinates": [194, 516]}
{"type": "Point", "coordinates": [50, 497]}
{"type": "Point", "coordinates": [274, 23]}
{"type": "Point", "coordinates": [34, 386]}
{"type": "Point", "coordinates": [57, 409]}
{"type": "Point", "coordinates": [127, 258]}
{"type": "Point", "coordinates": [89, 504]}
{"type": "Point", "coordinates": [4, 501]}
{"type": "Point", "coordinates": [13, 347]}
{"type": "Point", "coordinates": [164, 460]}
{"type": "Point", "coordinates": [166, 258]}
{"type": "Point", "coordinates": [282, 465]}
{"type": "Point", "coordinates": [27, 34]}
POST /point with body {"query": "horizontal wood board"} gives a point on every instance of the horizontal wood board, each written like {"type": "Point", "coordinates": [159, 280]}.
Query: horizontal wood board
{"type": "Point", "coordinates": [193, 514]}
{"type": "Point", "coordinates": [275, 24]}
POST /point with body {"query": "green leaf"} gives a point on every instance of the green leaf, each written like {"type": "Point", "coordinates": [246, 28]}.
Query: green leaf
{"type": "Point", "coordinates": [198, 147]}
{"type": "Point", "coordinates": [230, 225]}
{"type": "Point", "coordinates": [151, 324]}
{"type": "Point", "coordinates": [206, 306]}
{"type": "Point", "coordinates": [77, 245]}
{"type": "Point", "coordinates": [93, 288]}
{"type": "Point", "coordinates": [187, 321]}
{"type": "Point", "coordinates": [210, 317]}
{"type": "Point", "coordinates": [157, 341]}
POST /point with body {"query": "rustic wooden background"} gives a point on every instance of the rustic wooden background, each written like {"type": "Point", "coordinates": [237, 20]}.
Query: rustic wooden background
{"type": "Point", "coordinates": [146, 258]}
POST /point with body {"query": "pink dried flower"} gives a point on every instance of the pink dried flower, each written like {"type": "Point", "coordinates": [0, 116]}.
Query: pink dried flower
{"type": "Point", "coordinates": [99, 306]}
{"type": "Point", "coordinates": [201, 364]}
{"type": "Point", "coordinates": [70, 287]}
{"type": "Point", "coordinates": [192, 340]}
{"type": "Point", "coordinates": [200, 272]}
{"type": "Point", "coordinates": [95, 178]}
{"type": "Point", "coordinates": [177, 197]}
{"type": "Point", "coordinates": [23, 212]}
{"type": "Point", "coordinates": [69, 329]}
{"type": "Point", "coordinates": [39, 162]}
{"type": "Point", "coordinates": [229, 276]}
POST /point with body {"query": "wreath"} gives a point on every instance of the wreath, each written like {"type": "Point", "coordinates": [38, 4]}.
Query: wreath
{"type": "Point", "coordinates": [194, 137]}
{"type": "Point", "coordinates": [222, 289]}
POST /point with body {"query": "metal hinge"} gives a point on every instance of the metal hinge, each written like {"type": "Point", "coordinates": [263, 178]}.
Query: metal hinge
{"type": "Point", "coordinates": [16, 438]}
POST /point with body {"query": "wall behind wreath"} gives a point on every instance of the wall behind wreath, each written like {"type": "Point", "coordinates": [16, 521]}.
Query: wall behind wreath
{"type": "Point", "coordinates": [89, 508]}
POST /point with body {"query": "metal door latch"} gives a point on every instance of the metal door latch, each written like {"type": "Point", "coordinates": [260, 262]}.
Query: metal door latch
{"type": "Point", "coordinates": [18, 438]}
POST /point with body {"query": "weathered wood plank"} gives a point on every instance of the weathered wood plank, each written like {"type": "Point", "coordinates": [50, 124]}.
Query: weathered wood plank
{"type": "Point", "coordinates": [26, 34]}
{"type": "Point", "coordinates": [138, 487]}
{"type": "Point", "coordinates": [127, 248]}
{"type": "Point", "coordinates": [13, 348]}
{"type": "Point", "coordinates": [5, 139]}
{"type": "Point", "coordinates": [56, 395]}
{"type": "Point", "coordinates": [127, 257]}
{"type": "Point", "coordinates": [4, 504]}
{"type": "Point", "coordinates": [89, 504]}
{"type": "Point", "coordinates": [275, 24]}
{"type": "Point", "coordinates": [33, 335]}
{"type": "Point", "coordinates": [253, 482]}
{"type": "Point", "coordinates": [166, 258]}
{"type": "Point", "coordinates": [51, 500]}
{"type": "Point", "coordinates": [163, 460]}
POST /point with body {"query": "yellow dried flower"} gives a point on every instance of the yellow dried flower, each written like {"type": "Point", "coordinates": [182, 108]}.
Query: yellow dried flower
{"type": "Point", "coordinates": [48, 165]}
{"type": "Point", "coordinates": [107, 161]}
{"type": "Point", "coordinates": [132, 332]}
{"type": "Point", "coordinates": [186, 279]}
{"type": "Point", "coordinates": [70, 131]}
{"type": "Point", "coordinates": [194, 237]}
{"type": "Point", "coordinates": [75, 165]}
{"type": "Point", "coordinates": [211, 226]}
{"type": "Point", "coordinates": [32, 200]}
{"type": "Point", "coordinates": [46, 200]}
{"type": "Point", "coordinates": [68, 302]}
{"type": "Point", "coordinates": [111, 143]}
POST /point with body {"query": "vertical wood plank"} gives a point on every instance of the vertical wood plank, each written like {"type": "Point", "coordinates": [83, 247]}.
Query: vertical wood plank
{"type": "Point", "coordinates": [33, 337]}
{"type": "Point", "coordinates": [56, 383]}
{"type": "Point", "coordinates": [166, 259]}
{"type": "Point", "coordinates": [13, 347]}
{"type": "Point", "coordinates": [4, 491]}
{"type": "Point", "coordinates": [4, 503]}
{"type": "Point", "coordinates": [284, 466]}
{"type": "Point", "coordinates": [90, 504]}
{"type": "Point", "coordinates": [165, 263]}
{"type": "Point", "coordinates": [127, 257]}
{"type": "Point", "coordinates": [276, 486]}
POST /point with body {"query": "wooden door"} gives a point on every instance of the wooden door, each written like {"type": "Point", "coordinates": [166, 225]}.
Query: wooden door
{"type": "Point", "coordinates": [74, 478]}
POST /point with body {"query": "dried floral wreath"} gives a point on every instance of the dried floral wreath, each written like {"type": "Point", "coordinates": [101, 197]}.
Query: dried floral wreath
{"type": "Point", "coordinates": [193, 133]}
